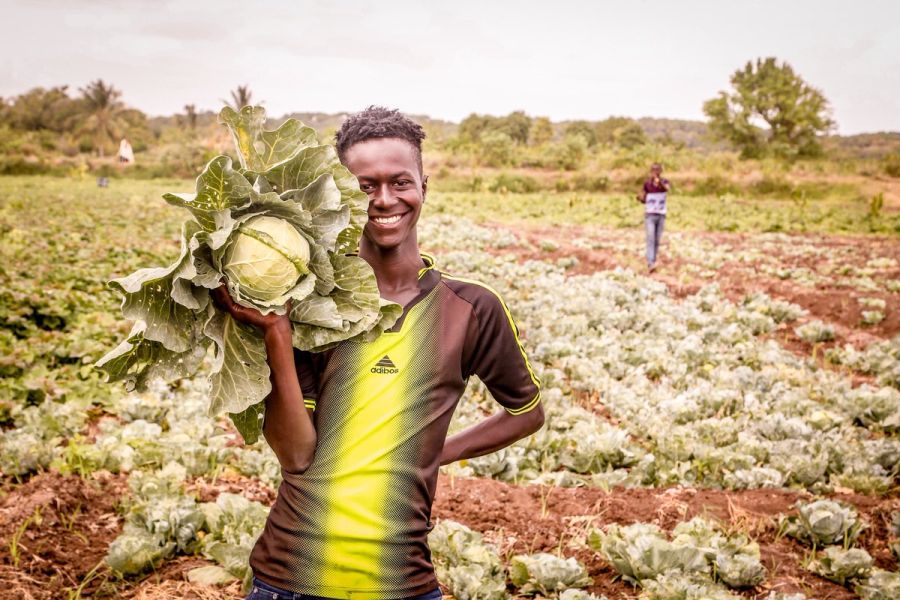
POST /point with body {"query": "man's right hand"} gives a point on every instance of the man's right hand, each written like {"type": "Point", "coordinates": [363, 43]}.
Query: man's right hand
{"type": "Point", "coordinates": [250, 316]}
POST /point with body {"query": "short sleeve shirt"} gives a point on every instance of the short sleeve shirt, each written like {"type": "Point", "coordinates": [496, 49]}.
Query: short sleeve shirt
{"type": "Point", "coordinates": [355, 524]}
{"type": "Point", "coordinates": [656, 195]}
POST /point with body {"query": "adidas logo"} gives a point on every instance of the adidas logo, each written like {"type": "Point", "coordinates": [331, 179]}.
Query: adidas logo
{"type": "Point", "coordinates": [385, 366]}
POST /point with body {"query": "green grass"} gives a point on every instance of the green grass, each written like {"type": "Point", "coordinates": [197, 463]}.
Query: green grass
{"type": "Point", "coordinates": [686, 213]}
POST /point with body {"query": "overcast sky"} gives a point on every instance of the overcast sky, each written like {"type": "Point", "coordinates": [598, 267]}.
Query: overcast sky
{"type": "Point", "coordinates": [564, 59]}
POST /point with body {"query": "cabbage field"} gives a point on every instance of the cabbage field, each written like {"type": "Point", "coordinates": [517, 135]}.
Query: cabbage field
{"type": "Point", "coordinates": [728, 427]}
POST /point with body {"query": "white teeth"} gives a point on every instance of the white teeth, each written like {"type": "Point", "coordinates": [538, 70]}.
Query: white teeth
{"type": "Point", "coordinates": [386, 220]}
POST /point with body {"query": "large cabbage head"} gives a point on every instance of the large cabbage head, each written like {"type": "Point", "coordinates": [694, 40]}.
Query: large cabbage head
{"type": "Point", "coordinates": [266, 257]}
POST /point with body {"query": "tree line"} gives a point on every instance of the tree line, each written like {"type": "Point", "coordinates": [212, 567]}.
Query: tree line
{"type": "Point", "coordinates": [770, 111]}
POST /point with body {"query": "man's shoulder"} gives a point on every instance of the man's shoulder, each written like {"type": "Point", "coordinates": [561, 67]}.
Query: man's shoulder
{"type": "Point", "coordinates": [480, 295]}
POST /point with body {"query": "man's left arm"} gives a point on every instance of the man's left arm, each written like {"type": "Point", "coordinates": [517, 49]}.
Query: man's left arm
{"type": "Point", "coordinates": [495, 354]}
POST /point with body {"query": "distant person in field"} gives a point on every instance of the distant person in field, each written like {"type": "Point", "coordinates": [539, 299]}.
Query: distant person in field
{"type": "Point", "coordinates": [361, 429]}
{"type": "Point", "coordinates": [126, 153]}
{"type": "Point", "coordinates": [653, 196]}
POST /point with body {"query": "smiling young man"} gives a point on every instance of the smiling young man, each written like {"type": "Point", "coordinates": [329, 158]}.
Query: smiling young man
{"type": "Point", "coordinates": [360, 461]}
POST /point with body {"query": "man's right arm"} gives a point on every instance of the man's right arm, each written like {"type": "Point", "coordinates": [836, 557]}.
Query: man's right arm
{"type": "Point", "coordinates": [288, 425]}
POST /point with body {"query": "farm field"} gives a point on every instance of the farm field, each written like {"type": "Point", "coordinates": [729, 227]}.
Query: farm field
{"type": "Point", "coordinates": [755, 373]}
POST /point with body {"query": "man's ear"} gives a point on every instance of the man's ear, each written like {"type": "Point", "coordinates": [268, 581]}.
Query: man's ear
{"type": "Point", "coordinates": [424, 188]}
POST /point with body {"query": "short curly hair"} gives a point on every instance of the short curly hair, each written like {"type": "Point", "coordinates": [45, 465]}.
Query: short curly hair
{"type": "Point", "coordinates": [379, 122]}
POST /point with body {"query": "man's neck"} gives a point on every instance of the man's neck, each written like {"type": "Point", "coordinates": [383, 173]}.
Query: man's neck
{"type": "Point", "coordinates": [396, 269]}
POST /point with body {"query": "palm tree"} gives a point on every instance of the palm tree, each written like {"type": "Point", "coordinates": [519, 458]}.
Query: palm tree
{"type": "Point", "coordinates": [241, 97]}
{"type": "Point", "coordinates": [103, 113]}
{"type": "Point", "coordinates": [190, 114]}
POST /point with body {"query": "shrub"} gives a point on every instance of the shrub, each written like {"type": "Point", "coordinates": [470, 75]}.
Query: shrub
{"type": "Point", "coordinates": [772, 186]}
{"type": "Point", "coordinates": [892, 164]}
{"type": "Point", "coordinates": [515, 184]}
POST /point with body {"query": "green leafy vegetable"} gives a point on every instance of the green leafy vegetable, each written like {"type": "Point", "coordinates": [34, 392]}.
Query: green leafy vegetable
{"type": "Point", "coordinates": [841, 565]}
{"type": "Point", "coordinates": [822, 523]}
{"type": "Point", "coordinates": [641, 551]}
{"type": "Point", "coordinates": [465, 564]}
{"type": "Point", "coordinates": [881, 585]}
{"type": "Point", "coordinates": [545, 573]}
{"type": "Point", "coordinates": [284, 226]}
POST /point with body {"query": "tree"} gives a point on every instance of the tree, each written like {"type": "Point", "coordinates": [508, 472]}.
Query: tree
{"type": "Point", "coordinates": [496, 149]}
{"type": "Point", "coordinates": [103, 114]}
{"type": "Point", "coordinates": [471, 128]}
{"type": "Point", "coordinates": [771, 110]}
{"type": "Point", "coordinates": [241, 97]}
{"type": "Point", "coordinates": [190, 116]}
{"type": "Point", "coordinates": [516, 125]}
{"type": "Point", "coordinates": [584, 130]}
{"type": "Point", "coordinates": [42, 109]}
{"type": "Point", "coordinates": [630, 135]}
{"type": "Point", "coordinates": [541, 131]}
{"type": "Point", "coordinates": [620, 131]}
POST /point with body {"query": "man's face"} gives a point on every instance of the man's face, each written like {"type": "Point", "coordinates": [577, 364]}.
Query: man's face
{"type": "Point", "coordinates": [656, 170]}
{"type": "Point", "coordinates": [388, 172]}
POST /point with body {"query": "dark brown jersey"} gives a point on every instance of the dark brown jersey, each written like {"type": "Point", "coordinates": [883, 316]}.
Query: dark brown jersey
{"type": "Point", "coordinates": [355, 524]}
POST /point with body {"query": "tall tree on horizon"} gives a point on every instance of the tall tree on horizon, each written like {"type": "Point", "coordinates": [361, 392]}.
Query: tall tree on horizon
{"type": "Point", "coordinates": [771, 110]}
{"type": "Point", "coordinates": [103, 112]}
{"type": "Point", "coordinates": [241, 97]}
{"type": "Point", "coordinates": [190, 115]}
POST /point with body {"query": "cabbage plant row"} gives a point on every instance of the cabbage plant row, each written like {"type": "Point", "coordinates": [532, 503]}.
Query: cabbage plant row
{"type": "Point", "coordinates": [692, 392]}
{"type": "Point", "coordinates": [698, 394]}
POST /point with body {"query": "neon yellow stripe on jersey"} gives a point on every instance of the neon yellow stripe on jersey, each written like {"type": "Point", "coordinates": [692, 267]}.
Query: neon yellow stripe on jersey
{"type": "Point", "coordinates": [524, 409]}
{"type": "Point", "coordinates": [365, 472]}
{"type": "Point", "coordinates": [512, 325]}
{"type": "Point", "coordinates": [429, 264]}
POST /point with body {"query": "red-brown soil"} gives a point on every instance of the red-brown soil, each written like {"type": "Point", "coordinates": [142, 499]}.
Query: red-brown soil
{"type": "Point", "coordinates": [78, 520]}
{"type": "Point", "coordinates": [54, 530]}
{"type": "Point", "coordinates": [827, 301]}
{"type": "Point", "coordinates": [549, 519]}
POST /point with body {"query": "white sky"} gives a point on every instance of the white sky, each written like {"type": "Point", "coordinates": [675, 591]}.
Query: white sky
{"type": "Point", "coordinates": [561, 58]}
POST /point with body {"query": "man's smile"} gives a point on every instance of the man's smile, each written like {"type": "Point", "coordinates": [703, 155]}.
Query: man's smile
{"type": "Point", "coordinates": [386, 220]}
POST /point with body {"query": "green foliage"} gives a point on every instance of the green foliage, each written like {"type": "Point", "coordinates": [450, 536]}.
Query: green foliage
{"type": "Point", "coordinates": [42, 109]}
{"type": "Point", "coordinates": [495, 149]}
{"type": "Point", "coordinates": [641, 551]}
{"type": "Point", "coordinates": [794, 112]}
{"type": "Point", "coordinates": [470, 568]}
{"type": "Point", "coordinates": [300, 187]}
{"type": "Point", "coordinates": [516, 126]}
{"type": "Point", "coordinates": [541, 131]}
{"type": "Point", "coordinates": [568, 155]}
{"type": "Point", "coordinates": [620, 132]}
{"type": "Point", "coordinates": [546, 574]}
{"type": "Point", "coordinates": [815, 332]}
{"type": "Point", "coordinates": [679, 586]}
{"type": "Point", "coordinates": [892, 164]}
{"type": "Point", "coordinates": [241, 96]}
{"type": "Point", "coordinates": [881, 585]}
{"type": "Point", "coordinates": [507, 183]}
{"type": "Point", "coordinates": [822, 523]}
{"type": "Point", "coordinates": [582, 129]}
{"type": "Point", "coordinates": [234, 523]}
{"type": "Point", "coordinates": [104, 118]}
{"type": "Point", "coordinates": [698, 553]}
{"type": "Point", "coordinates": [841, 566]}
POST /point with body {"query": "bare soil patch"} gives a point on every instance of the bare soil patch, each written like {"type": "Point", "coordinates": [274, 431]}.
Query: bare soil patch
{"type": "Point", "coordinates": [828, 300]}
{"type": "Point", "coordinates": [542, 519]}
{"type": "Point", "coordinates": [54, 531]}
{"type": "Point", "coordinates": [78, 521]}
